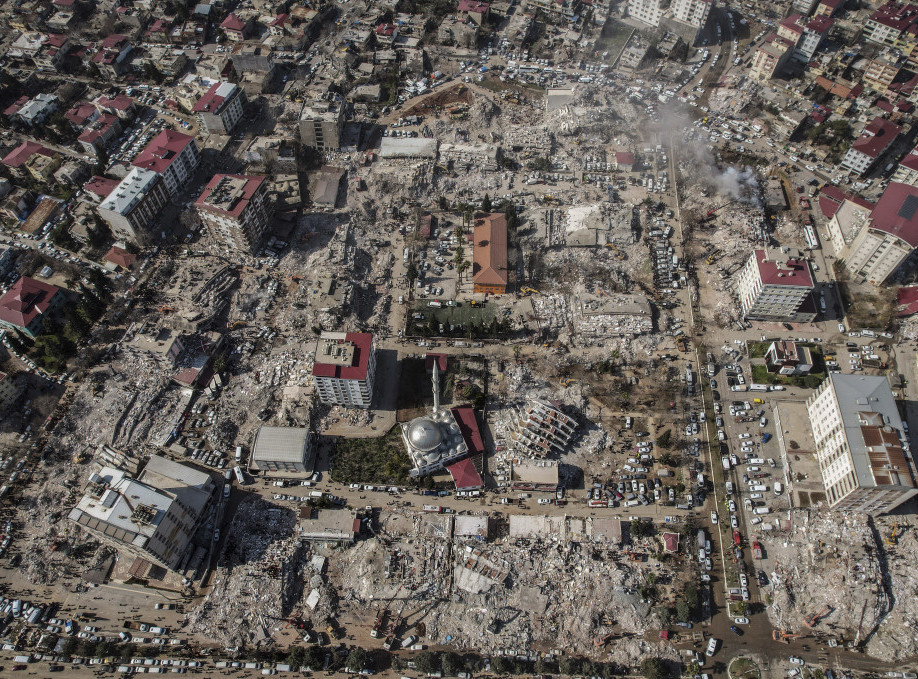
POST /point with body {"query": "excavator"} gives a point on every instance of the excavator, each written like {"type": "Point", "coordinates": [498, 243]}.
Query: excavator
{"type": "Point", "coordinates": [893, 537]}
{"type": "Point", "coordinates": [618, 253]}
{"type": "Point", "coordinates": [783, 636]}
{"type": "Point", "coordinates": [603, 639]}
{"type": "Point", "coordinates": [568, 381]}
{"type": "Point", "coordinates": [529, 291]}
{"type": "Point", "coordinates": [235, 324]}
{"type": "Point", "coordinates": [165, 309]}
{"type": "Point", "coordinates": [812, 620]}
{"type": "Point", "coordinates": [379, 627]}
{"type": "Point", "coordinates": [714, 211]}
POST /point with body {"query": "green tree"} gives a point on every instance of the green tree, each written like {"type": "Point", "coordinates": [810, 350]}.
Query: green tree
{"type": "Point", "coordinates": [665, 440]}
{"type": "Point", "coordinates": [428, 662]}
{"type": "Point", "coordinates": [654, 668]}
{"type": "Point", "coordinates": [452, 664]}
{"type": "Point", "coordinates": [462, 267]}
{"type": "Point", "coordinates": [639, 529]}
{"type": "Point", "coordinates": [501, 665]}
{"type": "Point", "coordinates": [486, 203]}
{"type": "Point", "coordinates": [357, 660]}
{"type": "Point", "coordinates": [314, 658]}
{"type": "Point", "coordinates": [411, 273]}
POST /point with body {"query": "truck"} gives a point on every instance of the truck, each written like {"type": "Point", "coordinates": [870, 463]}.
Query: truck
{"type": "Point", "coordinates": [408, 642]}
{"type": "Point", "coordinates": [756, 549]}
{"type": "Point", "coordinates": [436, 509]}
{"type": "Point", "coordinates": [240, 477]}
{"type": "Point", "coordinates": [758, 387]}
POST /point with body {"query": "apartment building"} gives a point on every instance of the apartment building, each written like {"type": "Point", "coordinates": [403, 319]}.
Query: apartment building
{"type": "Point", "coordinates": [172, 155]}
{"type": "Point", "coordinates": [235, 210]}
{"type": "Point", "coordinates": [867, 149]}
{"type": "Point", "coordinates": [882, 71]}
{"type": "Point", "coordinates": [771, 57]}
{"type": "Point", "coordinates": [135, 204]}
{"type": "Point", "coordinates": [889, 22]}
{"type": "Point", "coordinates": [881, 243]}
{"type": "Point", "coordinates": [321, 123]}
{"type": "Point", "coordinates": [692, 12]}
{"type": "Point", "coordinates": [907, 170]}
{"type": "Point", "coordinates": [861, 449]}
{"type": "Point", "coordinates": [284, 449]}
{"type": "Point", "coordinates": [153, 517]}
{"type": "Point", "coordinates": [27, 304]}
{"type": "Point", "coordinates": [776, 286]}
{"type": "Point", "coordinates": [649, 12]}
{"type": "Point", "coordinates": [344, 369]}
{"type": "Point", "coordinates": [221, 107]}
{"type": "Point", "coordinates": [112, 57]}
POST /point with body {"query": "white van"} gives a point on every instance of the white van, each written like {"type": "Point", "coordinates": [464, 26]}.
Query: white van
{"type": "Point", "coordinates": [762, 510]}
{"type": "Point", "coordinates": [632, 503]}
{"type": "Point", "coordinates": [755, 460]}
{"type": "Point", "coordinates": [778, 488]}
{"type": "Point", "coordinates": [758, 488]}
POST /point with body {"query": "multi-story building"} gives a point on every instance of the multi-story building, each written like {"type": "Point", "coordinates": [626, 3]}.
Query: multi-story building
{"type": "Point", "coordinates": [135, 204]}
{"type": "Point", "coordinates": [172, 155]}
{"type": "Point", "coordinates": [235, 210]}
{"type": "Point", "coordinates": [565, 8]}
{"type": "Point", "coordinates": [10, 390]}
{"type": "Point", "coordinates": [815, 32]}
{"type": "Point", "coordinates": [489, 254]}
{"type": "Point", "coordinates": [100, 133]}
{"type": "Point", "coordinates": [344, 369]}
{"type": "Point", "coordinates": [805, 7]}
{"type": "Point", "coordinates": [860, 446]}
{"type": "Point", "coordinates": [221, 107]}
{"type": "Point", "coordinates": [284, 449]}
{"type": "Point", "coordinates": [112, 57]}
{"type": "Point", "coordinates": [52, 53]}
{"type": "Point", "coordinates": [881, 243]}
{"type": "Point", "coordinates": [829, 8]}
{"type": "Point", "coordinates": [27, 304]}
{"type": "Point", "coordinates": [36, 110]}
{"type": "Point", "coordinates": [907, 171]}
{"type": "Point", "coordinates": [774, 286]}
{"type": "Point", "coordinates": [882, 71]}
{"type": "Point", "coordinates": [867, 149]}
{"type": "Point", "coordinates": [692, 12]}
{"type": "Point", "coordinates": [153, 517]}
{"type": "Point", "coordinates": [649, 12]}
{"type": "Point", "coordinates": [321, 123]}
{"type": "Point", "coordinates": [771, 57]}
{"type": "Point", "coordinates": [886, 25]}
{"type": "Point", "coordinates": [18, 159]}
{"type": "Point", "coordinates": [847, 220]}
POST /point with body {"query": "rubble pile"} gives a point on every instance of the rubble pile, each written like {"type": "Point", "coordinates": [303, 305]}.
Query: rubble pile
{"type": "Point", "coordinates": [259, 579]}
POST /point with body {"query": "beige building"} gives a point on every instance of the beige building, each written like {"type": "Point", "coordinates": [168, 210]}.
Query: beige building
{"type": "Point", "coordinates": [321, 123]}
{"type": "Point", "coordinates": [135, 204]}
{"type": "Point", "coordinates": [875, 247]}
{"type": "Point", "coordinates": [235, 210]}
{"type": "Point", "coordinates": [860, 446]}
{"type": "Point", "coordinates": [344, 369]}
{"type": "Point", "coordinates": [771, 57]}
{"type": "Point", "coordinates": [153, 517]}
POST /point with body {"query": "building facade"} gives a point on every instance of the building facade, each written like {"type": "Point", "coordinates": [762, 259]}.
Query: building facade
{"type": "Point", "coordinates": [772, 286]}
{"type": "Point", "coordinates": [321, 123]}
{"type": "Point", "coordinates": [172, 155]}
{"type": "Point", "coordinates": [692, 12]}
{"type": "Point", "coordinates": [135, 204]}
{"type": "Point", "coordinates": [29, 304]}
{"type": "Point", "coordinates": [867, 149]}
{"type": "Point", "coordinates": [221, 107]}
{"type": "Point", "coordinates": [649, 12]}
{"type": "Point", "coordinates": [235, 210]}
{"type": "Point", "coordinates": [345, 368]}
{"type": "Point", "coordinates": [860, 446]}
{"type": "Point", "coordinates": [284, 449]}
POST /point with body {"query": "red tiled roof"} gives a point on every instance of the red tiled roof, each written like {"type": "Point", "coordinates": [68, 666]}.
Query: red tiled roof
{"type": "Point", "coordinates": [468, 426]}
{"type": "Point", "coordinates": [80, 113]}
{"type": "Point", "coordinates": [671, 542]}
{"type": "Point", "coordinates": [162, 150]}
{"type": "Point", "coordinates": [833, 4]}
{"type": "Point", "coordinates": [56, 40]}
{"type": "Point", "coordinates": [25, 300]}
{"type": "Point", "coordinates": [489, 257]}
{"type": "Point", "coordinates": [820, 24]}
{"type": "Point", "coordinates": [13, 108]}
{"type": "Point", "coordinates": [911, 159]}
{"type": "Point", "coordinates": [114, 41]}
{"type": "Point", "coordinates": [362, 342]}
{"type": "Point", "coordinates": [896, 212]}
{"type": "Point", "coordinates": [895, 15]}
{"type": "Point", "coordinates": [624, 158]}
{"type": "Point", "coordinates": [252, 182]}
{"type": "Point", "coordinates": [210, 101]}
{"type": "Point", "coordinates": [831, 197]}
{"type": "Point", "coordinates": [465, 475]}
{"type": "Point", "coordinates": [233, 23]}
{"type": "Point", "coordinates": [120, 102]}
{"type": "Point", "coordinates": [98, 128]}
{"type": "Point", "coordinates": [121, 257]}
{"type": "Point", "coordinates": [429, 362]}
{"type": "Point", "coordinates": [876, 137]}
{"type": "Point", "coordinates": [907, 300]}
{"type": "Point", "coordinates": [385, 29]}
{"type": "Point", "coordinates": [101, 186]}
{"type": "Point", "coordinates": [280, 19]}
{"type": "Point", "coordinates": [793, 23]}
{"type": "Point", "coordinates": [790, 272]}
{"type": "Point", "coordinates": [24, 151]}
{"type": "Point", "coordinates": [475, 6]}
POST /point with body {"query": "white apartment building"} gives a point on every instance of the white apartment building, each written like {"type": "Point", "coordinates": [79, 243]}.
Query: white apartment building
{"type": "Point", "coordinates": [692, 12]}
{"type": "Point", "coordinates": [907, 171]}
{"type": "Point", "coordinates": [172, 155]}
{"type": "Point", "coordinates": [874, 141]}
{"type": "Point", "coordinates": [860, 446]}
{"type": "Point", "coordinates": [235, 210]}
{"type": "Point", "coordinates": [221, 107]}
{"type": "Point", "coordinates": [881, 243]}
{"type": "Point", "coordinates": [344, 369]}
{"type": "Point", "coordinates": [775, 286]}
{"type": "Point", "coordinates": [649, 12]}
{"type": "Point", "coordinates": [135, 204]}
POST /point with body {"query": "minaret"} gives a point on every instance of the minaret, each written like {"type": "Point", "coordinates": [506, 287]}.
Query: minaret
{"type": "Point", "coordinates": [436, 386]}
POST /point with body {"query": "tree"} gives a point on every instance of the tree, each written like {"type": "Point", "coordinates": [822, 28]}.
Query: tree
{"type": "Point", "coordinates": [314, 658]}
{"type": "Point", "coordinates": [639, 529]}
{"type": "Point", "coordinates": [654, 668]}
{"type": "Point", "coordinates": [452, 664]}
{"type": "Point", "coordinates": [357, 660]}
{"type": "Point", "coordinates": [428, 662]}
{"type": "Point", "coordinates": [411, 273]}
{"type": "Point", "coordinates": [501, 665]}
{"type": "Point", "coordinates": [683, 611]}
{"type": "Point", "coordinates": [486, 203]}
{"type": "Point", "coordinates": [665, 440]}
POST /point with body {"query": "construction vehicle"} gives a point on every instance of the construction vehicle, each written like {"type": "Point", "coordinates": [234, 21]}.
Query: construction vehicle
{"type": "Point", "coordinates": [783, 636]}
{"type": "Point", "coordinates": [602, 640]}
{"type": "Point", "coordinates": [165, 309]}
{"type": "Point", "coordinates": [529, 291]}
{"type": "Point", "coordinates": [710, 214]}
{"type": "Point", "coordinates": [379, 627]}
{"type": "Point", "coordinates": [682, 344]}
{"type": "Point", "coordinates": [893, 537]}
{"type": "Point", "coordinates": [756, 550]}
{"type": "Point", "coordinates": [235, 324]}
{"type": "Point", "coordinates": [568, 381]}
{"type": "Point", "coordinates": [618, 253]}
{"type": "Point", "coordinates": [813, 620]}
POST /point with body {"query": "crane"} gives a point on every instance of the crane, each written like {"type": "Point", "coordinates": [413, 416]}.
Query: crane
{"type": "Point", "coordinates": [379, 627]}
{"type": "Point", "coordinates": [715, 210]}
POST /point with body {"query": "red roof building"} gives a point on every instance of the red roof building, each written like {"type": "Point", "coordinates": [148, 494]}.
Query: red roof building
{"type": "Point", "coordinates": [831, 197]}
{"type": "Point", "coordinates": [465, 476]}
{"type": "Point", "coordinates": [235, 28]}
{"type": "Point", "coordinates": [172, 155]}
{"type": "Point", "coordinates": [773, 286]}
{"type": "Point", "coordinates": [874, 141]}
{"type": "Point", "coordinates": [234, 210]}
{"type": "Point", "coordinates": [99, 187]}
{"type": "Point", "coordinates": [344, 369]}
{"type": "Point", "coordinates": [25, 306]}
{"type": "Point", "coordinates": [907, 301]}
{"type": "Point", "coordinates": [81, 114]}
{"type": "Point", "coordinates": [896, 213]}
{"type": "Point", "coordinates": [439, 359]}
{"type": "Point", "coordinates": [489, 258]}
{"type": "Point", "coordinates": [624, 161]}
{"type": "Point", "coordinates": [120, 257]}
{"type": "Point", "coordinates": [19, 155]}
{"type": "Point", "coordinates": [120, 105]}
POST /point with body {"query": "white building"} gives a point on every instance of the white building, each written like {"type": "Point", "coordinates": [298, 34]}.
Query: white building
{"type": "Point", "coordinates": [860, 446]}
{"type": "Point", "coordinates": [154, 517]}
{"type": "Point", "coordinates": [235, 210]}
{"type": "Point", "coordinates": [286, 449]}
{"type": "Point", "coordinates": [774, 286]}
{"type": "Point", "coordinates": [874, 141]}
{"type": "Point", "coordinates": [172, 155]}
{"type": "Point", "coordinates": [649, 12]}
{"type": "Point", "coordinates": [135, 204]}
{"type": "Point", "coordinates": [344, 369]}
{"type": "Point", "coordinates": [692, 12]}
{"type": "Point", "coordinates": [220, 108]}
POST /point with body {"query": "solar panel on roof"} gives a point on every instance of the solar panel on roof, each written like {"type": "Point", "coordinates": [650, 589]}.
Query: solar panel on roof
{"type": "Point", "coordinates": [909, 207]}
